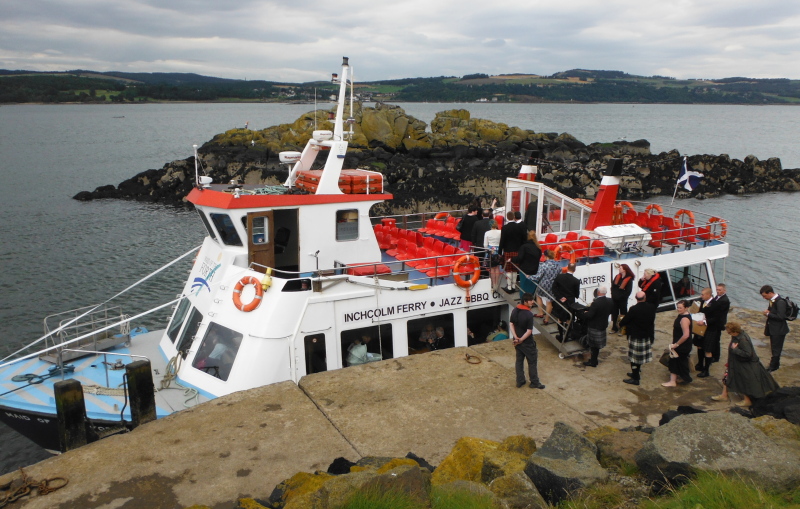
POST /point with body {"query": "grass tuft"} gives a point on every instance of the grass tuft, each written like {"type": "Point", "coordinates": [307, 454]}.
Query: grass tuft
{"type": "Point", "coordinates": [459, 499]}
{"type": "Point", "coordinates": [377, 499]}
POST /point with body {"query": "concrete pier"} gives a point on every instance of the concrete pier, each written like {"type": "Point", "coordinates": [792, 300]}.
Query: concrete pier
{"type": "Point", "coordinates": [243, 444]}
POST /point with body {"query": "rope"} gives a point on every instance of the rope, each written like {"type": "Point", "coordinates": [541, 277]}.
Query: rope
{"type": "Point", "coordinates": [70, 322]}
{"type": "Point", "coordinates": [13, 491]}
{"type": "Point", "coordinates": [472, 359]}
{"type": "Point", "coordinates": [103, 391]}
{"type": "Point", "coordinates": [171, 376]}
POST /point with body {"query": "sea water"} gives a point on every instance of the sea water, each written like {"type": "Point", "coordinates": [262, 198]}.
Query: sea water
{"type": "Point", "coordinates": [59, 254]}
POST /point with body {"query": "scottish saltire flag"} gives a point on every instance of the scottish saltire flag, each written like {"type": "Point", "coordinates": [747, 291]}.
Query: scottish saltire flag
{"type": "Point", "coordinates": [688, 178]}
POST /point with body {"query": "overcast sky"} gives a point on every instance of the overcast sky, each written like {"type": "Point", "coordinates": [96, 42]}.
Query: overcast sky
{"type": "Point", "coordinates": [303, 40]}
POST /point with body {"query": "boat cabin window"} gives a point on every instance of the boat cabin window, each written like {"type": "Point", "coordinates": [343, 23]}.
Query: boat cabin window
{"type": "Point", "coordinates": [687, 282]}
{"type": "Point", "coordinates": [207, 225]}
{"type": "Point", "coordinates": [186, 338]}
{"type": "Point", "coordinates": [430, 333]}
{"type": "Point", "coordinates": [178, 319]}
{"type": "Point", "coordinates": [347, 224]}
{"type": "Point", "coordinates": [368, 344]}
{"type": "Point", "coordinates": [226, 229]}
{"type": "Point", "coordinates": [483, 322]}
{"type": "Point", "coordinates": [260, 233]}
{"type": "Point", "coordinates": [316, 356]}
{"type": "Point", "coordinates": [218, 351]}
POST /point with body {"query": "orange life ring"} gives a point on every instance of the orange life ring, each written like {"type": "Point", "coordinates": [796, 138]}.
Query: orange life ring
{"type": "Point", "coordinates": [654, 206]}
{"type": "Point", "coordinates": [237, 294]}
{"type": "Point", "coordinates": [567, 247]}
{"type": "Point", "coordinates": [442, 215]}
{"type": "Point", "coordinates": [684, 212]}
{"type": "Point", "coordinates": [460, 268]}
{"type": "Point", "coordinates": [624, 204]}
{"type": "Point", "coordinates": [722, 223]}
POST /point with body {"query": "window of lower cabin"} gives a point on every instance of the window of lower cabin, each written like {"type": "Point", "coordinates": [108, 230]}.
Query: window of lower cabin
{"type": "Point", "coordinates": [218, 351]}
{"type": "Point", "coordinates": [430, 333]}
{"type": "Point", "coordinates": [227, 231]}
{"type": "Point", "coordinates": [484, 323]}
{"type": "Point", "coordinates": [206, 224]}
{"type": "Point", "coordinates": [368, 344]}
{"type": "Point", "coordinates": [316, 355]}
{"type": "Point", "coordinates": [178, 318]}
{"type": "Point", "coordinates": [186, 339]}
{"type": "Point", "coordinates": [687, 282]}
{"type": "Point", "coordinates": [347, 224]}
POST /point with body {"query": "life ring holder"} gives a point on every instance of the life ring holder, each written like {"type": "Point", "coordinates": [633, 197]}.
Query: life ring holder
{"type": "Point", "coordinates": [237, 294]}
{"type": "Point", "coordinates": [442, 215]}
{"type": "Point", "coordinates": [619, 211]}
{"type": "Point", "coordinates": [684, 212]}
{"type": "Point", "coordinates": [458, 272]}
{"type": "Point", "coordinates": [573, 257]}
{"type": "Point", "coordinates": [723, 225]}
{"type": "Point", "coordinates": [653, 206]}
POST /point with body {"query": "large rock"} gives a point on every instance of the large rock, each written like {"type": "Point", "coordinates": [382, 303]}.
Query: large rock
{"type": "Point", "coordinates": [465, 461]}
{"type": "Point", "coordinates": [565, 463]}
{"type": "Point", "coordinates": [722, 442]}
{"type": "Point", "coordinates": [516, 491]}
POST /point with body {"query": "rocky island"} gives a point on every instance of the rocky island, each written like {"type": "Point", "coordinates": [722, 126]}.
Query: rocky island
{"type": "Point", "coordinates": [459, 158]}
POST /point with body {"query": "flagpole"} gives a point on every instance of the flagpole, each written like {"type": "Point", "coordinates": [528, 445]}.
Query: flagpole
{"type": "Point", "coordinates": [675, 192]}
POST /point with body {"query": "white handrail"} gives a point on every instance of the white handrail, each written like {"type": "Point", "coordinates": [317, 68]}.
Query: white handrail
{"type": "Point", "coordinates": [61, 327]}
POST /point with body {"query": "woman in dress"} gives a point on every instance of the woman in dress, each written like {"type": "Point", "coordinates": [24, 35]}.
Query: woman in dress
{"type": "Point", "coordinates": [681, 346]}
{"type": "Point", "coordinates": [544, 277]}
{"type": "Point", "coordinates": [746, 375]}
{"type": "Point", "coordinates": [621, 287]}
{"type": "Point", "coordinates": [528, 261]}
{"type": "Point", "coordinates": [491, 241]}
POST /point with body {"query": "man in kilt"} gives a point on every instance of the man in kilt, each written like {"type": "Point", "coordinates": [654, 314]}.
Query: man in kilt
{"type": "Point", "coordinates": [512, 235]}
{"type": "Point", "coordinates": [640, 322]}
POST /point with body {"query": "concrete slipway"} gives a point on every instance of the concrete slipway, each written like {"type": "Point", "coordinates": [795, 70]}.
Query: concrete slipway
{"type": "Point", "coordinates": [243, 444]}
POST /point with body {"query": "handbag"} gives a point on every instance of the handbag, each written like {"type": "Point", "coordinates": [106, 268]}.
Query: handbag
{"type": "Point", "coordinates": [665, 358]}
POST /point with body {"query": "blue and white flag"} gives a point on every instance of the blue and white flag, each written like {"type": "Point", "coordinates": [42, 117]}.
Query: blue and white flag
{"type": "Point", "coordinates": [688, 177]}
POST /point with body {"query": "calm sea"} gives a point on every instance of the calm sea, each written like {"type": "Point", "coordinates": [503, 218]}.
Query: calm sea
{"type": "Point", "coordinates": [59, 254]}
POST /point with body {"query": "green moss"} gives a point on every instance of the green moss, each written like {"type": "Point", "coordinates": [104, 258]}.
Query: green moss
{"type": "Point", "coordinates": [375, 498]}
{"type": "Point", "coordinates": [459, 499]}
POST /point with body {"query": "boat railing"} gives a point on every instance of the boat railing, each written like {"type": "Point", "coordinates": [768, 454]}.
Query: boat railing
{"type": "Point", "coordinates": [415, 220]}
{"type": "Point", "coordinates": [565, 311]}
{"type": "Point", "coordinates": [92, 328]}
{"type": "Point", "coordinates": [82, 353]}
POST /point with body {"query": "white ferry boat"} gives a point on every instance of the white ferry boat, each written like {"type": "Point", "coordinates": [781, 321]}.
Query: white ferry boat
{"type": "Point", "coordinates": [299, 279]}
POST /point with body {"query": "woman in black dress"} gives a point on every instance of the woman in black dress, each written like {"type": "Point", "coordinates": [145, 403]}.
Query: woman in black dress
{"type": "Point", "coordinates": [681, 346]}
{"type": "Point", "coordinates": [621, 287]}
{"type": "Point", "coordinates": [746, 375]}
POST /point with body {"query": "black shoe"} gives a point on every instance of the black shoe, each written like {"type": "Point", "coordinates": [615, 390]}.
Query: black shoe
{"type": "Point", "coordinates": [509, 290]}
{"type": "Point", "coordinates": [631, 375]}
{"type": "Point", "coordinates": [520, 384]}
{"type": "Point", "coordinates": [703, 374]}
{"type": "Point", "coordinates": [631, 381]}
{"type": "Point", "coordinates": [591, 364]}
{"type": "Point", "coordinates": [698, 367]}
{"type": "Point", "coordinates": [536, 386]}
{"type": "Point", "coordinates": [614, 330]}
{"type": "Point", "coordinates": [773, 368]}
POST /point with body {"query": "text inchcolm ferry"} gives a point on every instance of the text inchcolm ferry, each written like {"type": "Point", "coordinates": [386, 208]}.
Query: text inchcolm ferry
{"type": "Point", "coordinates": [299, 278]}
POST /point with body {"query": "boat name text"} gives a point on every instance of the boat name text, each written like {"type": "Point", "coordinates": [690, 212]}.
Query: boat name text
{"type": "Point", "coordinates": [385, 311]}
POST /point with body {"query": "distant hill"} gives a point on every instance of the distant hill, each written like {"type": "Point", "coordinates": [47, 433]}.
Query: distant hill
{"type": "Point", "coordinates": [575, 85]}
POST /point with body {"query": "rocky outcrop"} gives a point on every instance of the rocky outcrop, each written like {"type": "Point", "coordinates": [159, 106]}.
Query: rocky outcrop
{"type": "Point", "coordinates": [459, 158]}
{"type": "Point", "coordinates": [722, 442]}
{"type": "Point", "coordinates": [566, 463]}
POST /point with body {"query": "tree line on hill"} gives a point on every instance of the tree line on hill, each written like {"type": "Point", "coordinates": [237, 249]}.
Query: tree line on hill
{"type": "Point", "coordinates": [576, 85]}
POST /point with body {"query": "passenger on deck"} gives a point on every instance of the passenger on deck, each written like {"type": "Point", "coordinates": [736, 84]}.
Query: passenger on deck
{"type": "Point", "coordinates": [528, 261]}
{"type": "Point", "coordinates": [491, 241]}
{"type": "Point", "coordinates": [544, 277]}
{"type": "Point", "coordinates": [566, 289]}
{"type": "Point", "coordinates": [512, 236]}
{"type": "Point", "coordinates": [480, 228]}
{"type": "Point", "coordinates": [465, 227]}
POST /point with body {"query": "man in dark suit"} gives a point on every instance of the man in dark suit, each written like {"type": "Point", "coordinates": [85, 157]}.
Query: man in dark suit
{"type": "Point", "coordinates": [776, 327]}
{"type": "Point", "coordinates": [716, 311]}
{"type": "Point", "coordinates": [480, 228]}
{"type": "Point", "coordinates": [566, 288]}
{"type": "Point", "coordinates": [640, 324]}
{"type": "Point", "coordinates": [597, 321]}
{"type": "Point", "coordinates": [512, 236]}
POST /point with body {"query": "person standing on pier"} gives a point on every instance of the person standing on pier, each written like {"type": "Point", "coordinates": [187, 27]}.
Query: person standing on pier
{"type": "Point", "coordinates": [716, 311]}
{"type": "Point", "coordinates": [776, 327]}
{"type": "Point", "coordinates": [640, 325]}
{"type": "Point", "coordinates": [597, 322]}
{"type": "Point", "coordinates": [521, 329]}
{"type": "Point", "coordinates": [650, 283]}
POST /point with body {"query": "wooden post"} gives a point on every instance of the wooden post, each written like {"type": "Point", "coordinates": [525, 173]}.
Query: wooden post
{"type": "Point", "coordinates": [141, 392]}
{"type": "Point", "coordinates": [71, 411]}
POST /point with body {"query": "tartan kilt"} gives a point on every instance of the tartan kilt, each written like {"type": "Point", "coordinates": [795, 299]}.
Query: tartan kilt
{"type": "Point", "coordinates": [508, 256]}
{"type": "Point", "coordinates": [640, 350]}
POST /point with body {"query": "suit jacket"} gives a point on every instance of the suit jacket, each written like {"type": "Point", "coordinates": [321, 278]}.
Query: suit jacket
{"type": "Point", "coordinates": [717, 312]}
{"type": "Point", "coordinates": [776, 319]}
{"type": "Point", "coordinates": [479, 229]}
{"type": "Point", "coordinates": [566, 285]}
{"type": "Point", "coordinates": [598, 313]}
{"type": "Point", "coordinates": [512, 236]}
{"type": "Point", "coordinates": [531, 215]}
{"type": "Point", "coordinates": [640, 320]}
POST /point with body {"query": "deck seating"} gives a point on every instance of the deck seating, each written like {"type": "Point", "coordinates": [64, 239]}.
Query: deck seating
{"type": "Point", "coordinates": [641, 219]}
{"type": "Point", "coordinates": [371, 269]}
{"type": "Point", "coordinates": [597, 248]}
{"type": "Point", "coordinates": [654, 222]}
{"type": "Point", "coordinates": [400, 245]}
{"type": "Point", "coordinates": [551, 238]}
{"type": "Point", "coordinates": [629, 216]}
{"type": "Point", "coordinates": [430, 226]}
{"type": "Point", "coordinates": [656, 240]}
{"type": "Point", "coordinates": [571, 236]}
{"type": "Point", "coordinates": [689, 234]}
{"type": "Point", "coordinates": [582, 246]}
